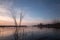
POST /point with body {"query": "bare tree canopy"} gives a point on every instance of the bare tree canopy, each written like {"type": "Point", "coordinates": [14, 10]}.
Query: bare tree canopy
{"type": "Point", "coordinates": [22, 14]}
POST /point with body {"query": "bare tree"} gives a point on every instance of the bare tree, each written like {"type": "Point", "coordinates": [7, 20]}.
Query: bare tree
{"type": "Point", "coordinates": [16, 31]}
{"type": "Point", "coordinates": [21, 17]}
{"type": "Point", "coordinates": [13, 15]}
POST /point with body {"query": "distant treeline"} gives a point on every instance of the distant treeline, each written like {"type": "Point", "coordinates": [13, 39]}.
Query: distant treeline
{"type": "Point", "coordinates": [12, 26]}
{"type": "Point", "coordinates": [53, 25]}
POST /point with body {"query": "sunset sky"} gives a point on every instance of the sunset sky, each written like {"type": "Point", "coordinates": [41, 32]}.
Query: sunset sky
{"type": "Point", "coordinates": [35, 11]}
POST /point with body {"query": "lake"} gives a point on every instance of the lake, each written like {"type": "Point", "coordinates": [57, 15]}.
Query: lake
{"type": "Point", "coordinates": [30, 33]}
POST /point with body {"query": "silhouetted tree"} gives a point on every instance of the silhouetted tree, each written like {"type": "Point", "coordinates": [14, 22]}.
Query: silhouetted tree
{"type": "Point", "coordinates": [21, 17]}
{"type": "Point", "coordinates": [13, 15]}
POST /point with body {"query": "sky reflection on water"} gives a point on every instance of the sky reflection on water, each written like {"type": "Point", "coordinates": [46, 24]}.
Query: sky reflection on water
{"type": "Point", "coordinates": [30, 33]}
{"type": "Point", "coordinates": [10, 30]}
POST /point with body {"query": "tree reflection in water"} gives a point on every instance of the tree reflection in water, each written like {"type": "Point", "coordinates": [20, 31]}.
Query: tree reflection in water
{"type": "Point", "coordinates": [38, 34]}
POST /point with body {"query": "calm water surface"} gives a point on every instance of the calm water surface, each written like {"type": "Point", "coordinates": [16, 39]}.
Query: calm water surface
{"type": "Point", "coordinates": [29, 33]}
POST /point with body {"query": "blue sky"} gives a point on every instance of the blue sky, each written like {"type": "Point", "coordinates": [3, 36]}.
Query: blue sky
{"type": "Point", "coordinates": [35, 10]}
{"type": "Point", "coordinates": [47, 9]}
